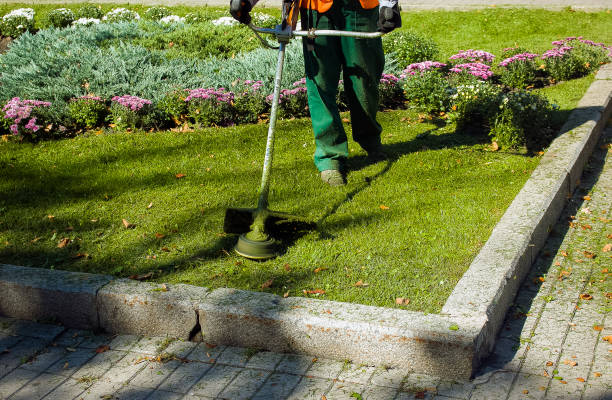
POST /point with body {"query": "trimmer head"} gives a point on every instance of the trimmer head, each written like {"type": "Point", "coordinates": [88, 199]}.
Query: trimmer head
{"type": "Point", "coordinates": [255, 250]}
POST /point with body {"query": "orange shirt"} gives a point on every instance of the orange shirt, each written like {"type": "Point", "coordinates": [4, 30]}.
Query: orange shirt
{"type": "Point", "coordinates": [324, 5]}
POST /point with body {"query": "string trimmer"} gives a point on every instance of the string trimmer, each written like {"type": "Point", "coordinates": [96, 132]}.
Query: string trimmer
{"type": "Point", "coordinates": [255, 225]}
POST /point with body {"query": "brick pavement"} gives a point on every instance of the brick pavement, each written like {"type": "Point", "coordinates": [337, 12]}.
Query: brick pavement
{"type": "Point", "coordinates": [556, 342]}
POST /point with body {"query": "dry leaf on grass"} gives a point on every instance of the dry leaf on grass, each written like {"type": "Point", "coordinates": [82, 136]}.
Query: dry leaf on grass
{"type": "Point", "coordinates": [179, 176]}
{"type": "Point", "coordinates": [607, 248]}
{"type": "Point", "coordinates": [588, 254]}
{"type": "Point", "coordinates": [402, 301]}
{"type": "Point", "coordinates": [598, 328]}
{"type": "Point", "coordinates": [267, 284]}
{"type": "Point", "coordinates": [126, 224]}
{"type": "Point", "coordinates": [63, 243]}
{"type": "Point", "coordinates": [314, 291]}
{"type": "Point", "coordinates": [141, 277]}
{"type": "Point", "coordinates": [586, 296]}
{"type": "Point", "coordinates": [607, 339]}
{"type": "Point", "coordinates": [361, 283]}
{"type": "Point", "coordinates": [383, 207]}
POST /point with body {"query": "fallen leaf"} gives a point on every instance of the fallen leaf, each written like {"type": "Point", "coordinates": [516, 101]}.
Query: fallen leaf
{"type": "Point", "coordinates": [102, 349]}
{"type": "Point", "coordinates": [179, 176]}
{"type": "Point", "coordinates": [563, 253]}
{"type": "Point", "coordinates": [80, 255]}
{"type": "Point", "coordinates": [360, 283]}
{"type": "Point", "coordinates": [51, 216]}
{"type": "Point", "coordinates": [36, 239]}
{"type": "Point", "coordinates": [267, 284]}
{"type": "Point", "coordinates": [287, 267]}
{"type": "Point", "coordinates": [604, 271]}
{"type": "Point", "coordinates": [167, 250]}
{"type": "Point", "coordinates": [607, 339]}
{"type": "Point", "coordinates": [402, 301]}
{"type": "Point", "coordinates": [126, 224]}
{"type": "Point", "coordinates": [580, 379]}
{"type": "Point", "coordinates": [598, 327]}
{"type": "Point", "coordinates": [597, 374]}
{"type": "Point", "coordinates": [319, 269]}
{"type": "Point", "coordinates": [549, 363]}
{"type": "Point", "coordinates": [573, 363]}
{"type": "Point", "coordinates": [609, 295]}
{"type": "Point", "coordinates": [323, 397]}
{"type": "Point", "coordinates": [586, 296]}
{"type": "Point", "coordinates": [63, 243]}
{"type": "Point", "coordinates": [545, 373]}
{"type": "Point", "coordinates": [607, 248]}
{"type": "Point", "coordinates": [150, 205]}
{"type": "Point", "coordinates": [286, 294]}
{"type": "Point", "coordinates": [141, 277]}
{"type": "Point", "coordinates": [588, 254]}
{"type": "Point", "coordinates": [383, 207]}
{"type": "Point", "coordinates": [587, 198]}
{"type": "Point", "coordinates": [314, 291]}
{"type": "Point", "coordinates": [586, 226]}
{"type": "Point", "coordinates": [66, 365]}
{"type": "Point", "coordinates": [525, 391]}
{"type": "Point", "coordinates": [494, 146]}
{"type": "Point", "coordinates": [159, 235]}
{"type": "Point", "coordinates": [563, 382]}
{"type": "Point", "coordinates": [346, 120]}
{"type": "Point", "coordinates": [210, 346]}
{"type": "Point", "coordinates": [609, 236]}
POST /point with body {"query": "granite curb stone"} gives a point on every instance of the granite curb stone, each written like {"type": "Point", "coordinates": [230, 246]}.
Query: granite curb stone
{"type": "Point", "coordinates": [450, 344]}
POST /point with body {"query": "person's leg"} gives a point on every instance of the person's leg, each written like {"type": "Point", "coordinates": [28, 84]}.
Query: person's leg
{"type": "Point", "coordinates": [322, 61]}
{"type": "Point", "coordinates": [363, 65]}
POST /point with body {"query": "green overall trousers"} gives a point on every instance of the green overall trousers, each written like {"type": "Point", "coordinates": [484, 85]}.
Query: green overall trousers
{"type": "Point", "coordinates": [361, 62]}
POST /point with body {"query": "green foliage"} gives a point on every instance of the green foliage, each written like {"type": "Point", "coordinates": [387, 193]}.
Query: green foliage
{"type": "Point", "coordinates": [120, 14]}
{"type": "Point", "coordinates": [60, 18]}
{"type": "Point", "coordinates": [249, 103]}
{"type": "Point", "coordinates": [157, 13]}
{"type": "Point", "coordinates": [473, 106]}
{"type": "Point", "coordinates": [125, 118]}
{"type": "Point", "coordinates": [512, 51]}
{"type": "Point", "coordinates": [409, 47]}
{"type": "Point", "coordinates": [172, 106]}
{"type": "Point", "coordinates": [524, 119]}
{"type": "Point", "coordinates": [87, 112]}
{"type": "Point", "coordinates": [429, 91]}
{"type": "Point", "coordinates": [89, 11]}
{"type": "Point", "coordinates": [519, 74]}
{"type": "Point", "coordinates": [209, 112]}
{"type": "Point", "coordinates": [17, 22]}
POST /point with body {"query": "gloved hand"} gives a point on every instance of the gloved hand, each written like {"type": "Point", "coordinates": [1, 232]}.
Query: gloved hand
{"type": "Point", "coordinates": [389, 18]}
{"type": "Point", "coordinates": [240, 10]}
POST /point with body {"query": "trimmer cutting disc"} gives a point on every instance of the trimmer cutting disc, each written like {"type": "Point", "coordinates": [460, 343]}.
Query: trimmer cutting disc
{"type": "Point", "coordinates": [255, 250]}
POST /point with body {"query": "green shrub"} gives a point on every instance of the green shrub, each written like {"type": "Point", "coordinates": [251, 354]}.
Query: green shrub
{"type": "Point", "coordinates": [249, 101]}
{"type": "Point", "coordinates": [473, 106]}
{"type": "Point", "coordinates": [18, 21]}
{"type": "Point", "coordinates": [60, 18]}
{"type": "Point", "coordinates": [409, 47]}
{"type": "Point", "coordinates": [173, 107]}
{"type": "Point", "coordinates": [512, 51]}
{"type": "Point", "coordinates": [87, 111]}
{"type": "Point", "coordinates": [428, 91]}
{"type": "Point", "coordinates": [390, 93]}
{"type": "Point", "coordinates": [132, 112]}
{"type": "Point", "coordinates": [121, 14]}
{"type": "Point", "coordinates": [519, 70]}
{"type": "Point", "coordinates": [524, 119]}
{"type": "Point", "coordinates": [156, 13]}
{"type": "Point", "coordinates": [89, 11]}
{"type": "Point", "coordinates": [292, 103]}
{"type": "Point", "coordinates": [210, 107]}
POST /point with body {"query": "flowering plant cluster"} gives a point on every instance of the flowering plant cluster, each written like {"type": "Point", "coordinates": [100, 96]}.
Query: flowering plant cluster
{"type": "Point", "coordinates": [472, 56]}
{"type": "Point", "coordinates": [87, 111]}
{"type": "Point", "coordinates": [574, 57]}
{"type": "Point", "coordinates": [172, 19]}
{"type": "Point", "coordinates": [131, 112]}
{"type": "Point", "coordinates": [224, 21]}
{"type": "Point", "coordinates": [120, 14]}
{"type": "Point", "coordinates": [60, 17]}
{"type": "Point", "coordinates": [249, 101]}
{"type": "Point", "coordinates": [413, 68]}
{"type": "Point", "coordinates": [86, 21]}
{"type": "Point", "coordinates": [479, 70]}
{"type": "Point", "coordinates": [21, 116]}
{"type": "Point", "coordinates": [391, 94]}
{"type": "Point", "coordinates": [208, 107]}
{"type": "Point", "coordinates": [292, 102]}
{"type": "Point", "coordinates": [157, 13]}
{"type": "Point", "coordinates": [472, 105]}
{"type": "Point", "coordinates": [519, 70]}
{"type": "Point", "coordinates": [430, 91]}
{"type": "Point", "coordinates": [17, 22]}
{"type": "Point", "coordinates": [90, 11]}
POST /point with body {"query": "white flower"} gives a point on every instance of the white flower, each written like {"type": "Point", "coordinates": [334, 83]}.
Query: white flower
{"type": "Point", "coordinates": [28, 13]}
{"type": "Point", "coordinates": [224, 21]}
{"type": "Point", "coordinates": [170, 19]}
{"type": "Point", "coordinates": [86, 21]}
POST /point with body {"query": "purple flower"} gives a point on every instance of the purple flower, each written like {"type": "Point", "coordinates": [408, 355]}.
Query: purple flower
{"type": "Point", "coordinates": [478, 70]}
{"type": "Point", "coordinates": [522, 57]}
{"type": "Point", "coordinates": [19, 110]}
{"type": "Point", "coordinates": [473, 56]}
{"type": "Point", "coordinates": [412, 69]}
{"type": "Point", "coordinates": [131, 102]}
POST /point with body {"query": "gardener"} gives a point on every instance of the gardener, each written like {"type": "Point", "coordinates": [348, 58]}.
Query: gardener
{"type": "Point", "coordinates": [360, 60]}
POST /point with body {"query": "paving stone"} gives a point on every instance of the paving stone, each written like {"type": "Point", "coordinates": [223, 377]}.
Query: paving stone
{"type": "Point", "coordinates": [497, 386]}
{"type": "Point", "coordinates": [310, 389]}
{"type": "Point", "coordinates": [529, 387]}
{"type": "Point", "coordinates": [99, 364]}
{"type": "Point", "coordinates": [5, 323]}
{"type": "Point", "coordinates": [419, 395]}
{"type": "Point", "coordinates": [508, 354]}
{"type": "Point", "coordinates": [455, 390]}
{"type": "Point", "coordinates": [93, 341]}
{"type": "Point", "coordinates": [205, 352]}
{"type": "Point", "coordinates": [19, 354]}
{"type": "Point", "coordinates": [72, 361]}
{"type": "Point", "coordinates": [7, 341]}
{"type": "Point", "coordinates": [184, 377]}
{"type": "Point", "coordinates": [265, 360]}
{"type": "Point", "coordinates": [180, 348]}
{"type": "Point", "coordinates": [278, 386]}
{"type": "Point", "coordinates": [154, 373]}
{"type": "Point", "coordinates": [99, 390]}
{"type": "Point", "coordinates": [14, 381]}
{"type": "Point", "coordinates": [44, 359]}
{"type": "Point", "coordinates": [215, 380]}
{"type": "Point", "coordinates": [123, 370]}
{"type": "Point", "coordinates": [563, 391]}
{"type": "Point", "coordinates": [245, 385]}
{"type": "Point", "coordinates": [133, 393]}
{"type": "Point", "coordinates": [162, 395]}
{"type": "Point", "coordinates": [294, 364]}
{"type": "Point", "coordinates": [326, 368]}
{"type": "Point", "coordinates": [550, 334]}
{"type": "Point", "coordinates": [345, 390]}
{"type": "Point", "coordinates": [35, 330]}
{"type": "Point", "coordinates": [39, 387]}
{"type": "Point", "coordinates": [148, 345]}
{"type": "Point", "coordinates": [356, 373]}
{"type": "Point", "coordinates": [69, 389]}
{"type": "Point", "coordinates": [596, 392]}
{"type": "Point", "coordinates": [581, 341]}
{"type": "Point", "coordinates": [378, 393]}
{"type": "Point", "coordinates": [124, 342]}
{"type": "Point", "coordinates": [234, 356]}
{"type": "Point", "coordinates": [420, 382]}
{"type": "Point", "coordinates": [537, 357]}
{"type": "Point", "coordinates": [389, 377]}
{"type": "Point", "coordinates": [71, 338]}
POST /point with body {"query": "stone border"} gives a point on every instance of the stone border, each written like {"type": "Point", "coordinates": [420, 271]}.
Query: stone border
{"type": "Point", "coordinates": [450, 344]}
